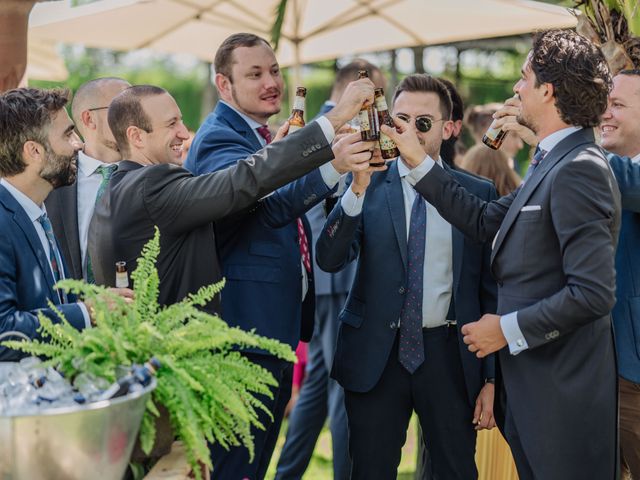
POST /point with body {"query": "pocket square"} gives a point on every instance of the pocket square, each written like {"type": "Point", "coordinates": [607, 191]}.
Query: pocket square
{"type": "Point", "coordinates": [529, 208]}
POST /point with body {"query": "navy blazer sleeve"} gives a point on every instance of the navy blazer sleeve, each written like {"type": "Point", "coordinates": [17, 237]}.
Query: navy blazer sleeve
{"type": "Point", "coordinates": [221, 148]}
{"type": "Point", "coordinates": [627, 175]}
{"type": "Point", "coordinates": [339, 241]}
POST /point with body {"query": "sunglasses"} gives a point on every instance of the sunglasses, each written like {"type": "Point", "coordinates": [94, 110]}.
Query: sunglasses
{"type": "Point", "coordinates": [423, 122]}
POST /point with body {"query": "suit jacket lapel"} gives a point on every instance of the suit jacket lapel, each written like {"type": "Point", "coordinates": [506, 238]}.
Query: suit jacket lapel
{"type": "Point", "coordinates": [22, 220]}
{"type": "Point", "coordinates": [238, 123]}
{"type": "Point", "coordinates": [69, 196]}
{"type": "Point", "coordinates": [558, 153]}
{"type": "Point", "coordinates": [457, 243]}
{"type": "Point", "coordinates": [395, 201]}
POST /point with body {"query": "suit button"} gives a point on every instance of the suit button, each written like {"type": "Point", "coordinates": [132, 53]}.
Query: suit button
{"type": "Point", "coordinates": [392, 325]}
{"type": "Point", "coordinates": [305, 154]}
{"type": "Point", "coordinates": [318, 146]}
{"type": "Point", "coordinates": [401, 291]}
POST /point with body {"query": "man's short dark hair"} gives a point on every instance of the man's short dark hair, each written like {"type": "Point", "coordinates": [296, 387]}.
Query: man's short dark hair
{"type": "Point", "coordinates": [578, 71]}
{"type": "Point", "coordinates": [223, 61]}
{"type": "Point", "coordinates": [26, 115]}
{"type": "Point", "coordinates": [422, 82]}
{"type": "Point", "coordinates": [126, 110]}
{"type": "Point", "coordinates": [457, 110]}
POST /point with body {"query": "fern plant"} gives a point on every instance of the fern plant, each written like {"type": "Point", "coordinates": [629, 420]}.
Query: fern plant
{"type": "Point", "coordinates": [207, 386]}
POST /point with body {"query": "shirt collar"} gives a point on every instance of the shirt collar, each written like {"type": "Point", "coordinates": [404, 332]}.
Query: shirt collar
{"type": "Point", "coordinates": [33, 211]}
{"type": "Point", "coordinates": [250, 121]}
{"type": "Point", "coordinates": [87, 165]}
{"type": "Point", "coordinates": [403, 170]}
{"type": "Point", "coordinates": [549, 142]}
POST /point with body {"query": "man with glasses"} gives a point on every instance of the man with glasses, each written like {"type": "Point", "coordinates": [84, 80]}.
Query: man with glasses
{"type": "Point", "coordinates": [71, 208]}
{"type": "Point", "coordinates": [418, 281]}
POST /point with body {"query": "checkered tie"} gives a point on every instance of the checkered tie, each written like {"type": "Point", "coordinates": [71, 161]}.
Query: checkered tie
{"type": "Point", "coordinates": [411, 347]}
{"type": "Point", "coordinates": [105, 171]}
{"type": "Point", "coordinates": [54, 254]}
{"type": "Point", "coordinates": [264, 132]}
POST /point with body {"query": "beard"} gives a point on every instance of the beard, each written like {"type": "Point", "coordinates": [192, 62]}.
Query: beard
{"type": "Point", "coordinates": [60, 170]}
{"type": "Point", "coordinates": [523, 120]}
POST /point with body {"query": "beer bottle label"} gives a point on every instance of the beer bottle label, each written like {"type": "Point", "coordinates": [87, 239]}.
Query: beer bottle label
{"type": "Point", "coordinates": [363, 118]}
{"type": "Point", "coordinates": [298, 103]}
{"type": "Point", "coordinates": [381, 103]}
{"type": "Point", "coordinates": [293, 128]}
{"type": "Point", "coordinates": [492, 132]}
{"type": "Point", "coordinates": [386, 143]}
{"type": "Point", "coordinates": [122, 280]}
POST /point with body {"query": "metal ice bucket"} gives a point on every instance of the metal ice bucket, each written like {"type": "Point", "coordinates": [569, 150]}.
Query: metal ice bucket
{"type": "Point", "coordinates": [92, 441]}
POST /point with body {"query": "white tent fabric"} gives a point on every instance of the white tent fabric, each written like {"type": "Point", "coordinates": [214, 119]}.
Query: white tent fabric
{"type": "Point", "coordinates": [313, 30]}
{"type": "Point", "coordinates": [44, 63]}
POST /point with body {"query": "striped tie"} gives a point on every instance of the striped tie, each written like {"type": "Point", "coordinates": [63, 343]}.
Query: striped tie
{"type": "Point", "coordinates": [411, 345]}
{"type": "Point", "coordinates": [54, 254]}
{"type": "Point", "coordinates": [105, 171]}
{"type": "Point", "coordinates": [538, 156]}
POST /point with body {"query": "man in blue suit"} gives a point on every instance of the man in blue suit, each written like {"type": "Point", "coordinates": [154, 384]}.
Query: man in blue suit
{"type": "Point", "coordinates": [322, 396]}
{"type": "Point", "coordinates": [38, 152]}
{"type": "Point", "coordinates": [418, 281]}
{"type": "Point", "coordinates": [265, 251]}
{"type": "Point", "coordinates": [620, 133]}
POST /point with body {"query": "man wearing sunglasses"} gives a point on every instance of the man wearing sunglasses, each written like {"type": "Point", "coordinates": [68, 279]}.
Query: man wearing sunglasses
{"type": "Point", "coordinates": [418, 281]}
{"type": "Point", "coordinates": [71, 208]}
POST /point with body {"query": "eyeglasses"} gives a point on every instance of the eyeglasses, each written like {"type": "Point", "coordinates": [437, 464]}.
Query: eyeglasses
{"type": "Point", "coordinates": [423, 122]}
{"type": "Point", "coordinates": [96, 108]}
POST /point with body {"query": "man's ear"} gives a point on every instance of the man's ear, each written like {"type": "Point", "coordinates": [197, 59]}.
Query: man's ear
{"type": "Point", "coordinates": [32, 150]}
{"type": "Point", "coordinates": [548, 92]}
{"type": "Point", "coordinates": [87, 120]}
{"type": "Point", "coordinates": [136, 137]}
{"type": "Point", "coordinates": [447, 129]}
{"type": "Point", "coordinates": [224, 86]}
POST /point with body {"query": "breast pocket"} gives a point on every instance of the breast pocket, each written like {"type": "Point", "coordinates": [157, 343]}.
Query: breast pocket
{"type": "Point", "coordinates": [529, 216]}
{"type": "Point", "coordinates": [353, 313]}
{"type": "Point", "coordinates": [266, 249]}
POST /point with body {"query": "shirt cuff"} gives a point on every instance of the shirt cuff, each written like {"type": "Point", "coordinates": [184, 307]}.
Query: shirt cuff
{"type": "Point", "coordinates": [351, 204]}
{"type": "Point", "coordinates": [415, 175]}
{"type": "Point", "coordinates": [327, 128]}
{"type": "Point", "coordinates": [512, 333]}
{"type": "Point", "coordinates": [329, 174]}
{"type": "Point", "coordinates": [85, 314]}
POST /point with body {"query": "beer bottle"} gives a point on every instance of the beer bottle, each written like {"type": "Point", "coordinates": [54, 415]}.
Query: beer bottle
{"type": "Point", "coordinates": [122, 277]}
{"type": "Point", "coordinates": [367, 116]}
{"type": "Point", "coordinates": [494, 137]}
{"type": "Point", "coordinates": [296, 120]}
{"type": "Point", "coordinates": [139, 376]}
{"type": "Point", "coordinates": [388, 147]}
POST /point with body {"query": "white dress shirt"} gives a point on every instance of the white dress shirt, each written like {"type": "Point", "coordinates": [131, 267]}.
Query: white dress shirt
{"type": "Point", "coordinates": [88, 183]}
{"type": "Point", "coordinates": [34, 212]}
{"type": "Point", "coordinates": [438, 253]}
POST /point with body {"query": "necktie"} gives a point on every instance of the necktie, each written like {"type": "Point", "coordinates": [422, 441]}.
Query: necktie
{"type": "Point", "coordinates": [264, 132]}
{"type": "Point", "coordinates": [538, 156]}
{"type": "Point", "coordinates": [105, 171]}
{"type": "Point", "coordinates": [54, 254]}
{"type": "Point", "coordinates": [411, 348]}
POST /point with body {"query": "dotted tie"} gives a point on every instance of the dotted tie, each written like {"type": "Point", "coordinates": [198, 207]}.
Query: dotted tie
{"type": "Point", "coordinates": [54, 254]}
{"type": "Point", "coordinates": [105, 171]}
{"type": "Point", "coordinates": [264, 132]}
{"type": "Point", "coordinates": [411, 347]}
{"type": "Point", "coordinates": [538, 156]}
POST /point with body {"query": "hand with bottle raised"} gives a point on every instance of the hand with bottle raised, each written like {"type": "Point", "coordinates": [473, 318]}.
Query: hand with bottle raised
{"type": "Point", "coordinates": [406, 140]}
{"type": "Point", "coordinates": [362, 178]}
{"type": "Point", "coordinates": [355, 95]}
{"type": "Point", "coordinates": [351, 153]}
{"type": "Point", "coordinates": [506, 118]}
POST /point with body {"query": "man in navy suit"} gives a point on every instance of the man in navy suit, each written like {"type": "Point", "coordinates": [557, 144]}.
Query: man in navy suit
{"type": "Point", "coordinates": [418, 281]}
{"type": "Point", "coordinates": [320, 395]}
{"type": "Point", "coordinates": [38, 152]}
{"type": "Point", "coordinates": [265, 250]}
{"type": "Point", "coordinates": [620, 134]}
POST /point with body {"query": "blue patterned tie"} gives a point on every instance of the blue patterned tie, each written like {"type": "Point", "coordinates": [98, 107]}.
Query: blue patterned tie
{"type": "Point", "coordinates": [411, 348]}
{"type": "Point", "coordinates": [538, 156]}
{"type": "Point", "coordinates": [106, 171]}
{"type": "Point", "coordinates": [54, 254]}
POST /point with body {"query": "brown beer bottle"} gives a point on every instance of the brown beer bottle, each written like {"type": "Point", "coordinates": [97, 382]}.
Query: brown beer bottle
{"type": "Point", "coordinates": [367, 116]}
{"type": "Point", "coordinates": [494, 137]}
{"type": "Point", "coordinates": [296, 120]}
{"type": "Point", "coordinates": [388, 147]}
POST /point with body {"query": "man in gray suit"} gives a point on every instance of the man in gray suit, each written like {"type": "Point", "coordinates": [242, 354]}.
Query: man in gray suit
{"type": "Point", "coordinates": [554, 240]}
{"type": "Point", "coordinates": [149, 190]}
{"type": "Point", "coordinates": [71, 208]}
